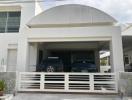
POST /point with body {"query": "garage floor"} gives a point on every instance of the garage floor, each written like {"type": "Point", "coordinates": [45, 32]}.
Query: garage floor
{"type": "Point", "coordinates": [48, 96]}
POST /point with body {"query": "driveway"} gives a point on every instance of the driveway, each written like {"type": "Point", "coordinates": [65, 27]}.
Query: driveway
{"type": "Point", "coordinates": [53, 96]}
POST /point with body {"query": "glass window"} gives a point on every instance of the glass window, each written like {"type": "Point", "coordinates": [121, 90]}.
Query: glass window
{"type": "Point", "coordinates": [9, 22]}
{"type": "Point", "coordinates": [3, 20]}
{"type": "Point", "coordinates": [2, 30]}
{"type": "Point", "coordinates": [12, 29]}
{"type": "Point", "coordinates": [126, 60]}
{"type": "Point", "coordinates": [14, 14]}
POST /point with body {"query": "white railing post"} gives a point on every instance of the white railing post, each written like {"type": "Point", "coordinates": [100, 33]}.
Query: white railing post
{"type": "Point", "coordinates": [42, 76]}
{"type": "Point", "coordinates": [91, 77]}
{"type": "Point", "coordinates": [116, 82]}
{"type": "Point", "coordinates": [17, 87]}
{"type": "Point", "coordinates": [19, 81]}
{"type": "Point", "coordinates": [66, 82]}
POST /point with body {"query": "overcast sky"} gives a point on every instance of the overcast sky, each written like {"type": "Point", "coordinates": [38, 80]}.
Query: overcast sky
{"type": "Point", "coordinates": [119, 9]}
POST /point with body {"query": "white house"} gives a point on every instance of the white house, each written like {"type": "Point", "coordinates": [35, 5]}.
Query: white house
{"type": "Point", "coordinates": [127, 40]}
{"type": "Point", "coordinates": [28, 34]}
{"type": "Point", "coordinates": [127, 49]}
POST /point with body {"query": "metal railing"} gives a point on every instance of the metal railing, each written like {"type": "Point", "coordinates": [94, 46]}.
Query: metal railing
{"type": "Point", "coordinates": [68, 82]}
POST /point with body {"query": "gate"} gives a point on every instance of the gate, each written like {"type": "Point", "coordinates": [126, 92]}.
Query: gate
{"type": "Point", "coordinates": [68, 82]}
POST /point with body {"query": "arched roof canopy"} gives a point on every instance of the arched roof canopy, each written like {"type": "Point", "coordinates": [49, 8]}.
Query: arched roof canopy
{"type": "Point", "coordinates": [71, 14]}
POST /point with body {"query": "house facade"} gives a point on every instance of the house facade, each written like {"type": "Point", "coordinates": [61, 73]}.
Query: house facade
{"type": "Point", "coordinates": [127, 50]}
{"type": "Point", "coordinates": [127, 40]}
{"type": "Point", "coordinates": [28, 35]}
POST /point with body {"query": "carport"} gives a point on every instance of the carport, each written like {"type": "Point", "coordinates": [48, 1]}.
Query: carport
{"type": "Point", "coordinates": [68, 52]}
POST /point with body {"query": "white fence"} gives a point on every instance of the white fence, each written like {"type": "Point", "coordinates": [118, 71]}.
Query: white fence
{"type": "Point", "coordinates": [68, 82]}
{"type": "Point", "coordinates": [3, 68]}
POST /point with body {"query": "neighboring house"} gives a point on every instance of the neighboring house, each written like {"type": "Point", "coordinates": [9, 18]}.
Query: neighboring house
{"type": "Point", "coordinates": [28, 34]}
{"type": "Point", "coordinates": [127, 47]}
{"type": "Point", "coordinates": [105, 62]}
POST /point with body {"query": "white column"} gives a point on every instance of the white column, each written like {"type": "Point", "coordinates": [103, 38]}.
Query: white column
{"type": "Point", "coordinates": [32, 62]}
{"type": "Point", "coordinates": [66, 82]}
{"type": "Point", "coordinates": [116, 49]}
{"type": "Point", "coordinates": [22, 55]}
{"type": "Point", "coordinates": [91, 76]}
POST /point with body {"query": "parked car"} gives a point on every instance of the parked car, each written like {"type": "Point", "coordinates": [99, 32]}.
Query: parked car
{"type": "Point", "coordinates": [51, 64]}
{"type": "Point", "coordinates": [83, 65]}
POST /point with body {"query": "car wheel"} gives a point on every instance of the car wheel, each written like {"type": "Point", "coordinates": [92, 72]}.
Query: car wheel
{"type": "Point", "coordinates": [50, 69]}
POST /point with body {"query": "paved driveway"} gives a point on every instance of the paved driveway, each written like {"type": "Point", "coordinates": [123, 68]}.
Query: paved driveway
{"type": "Point", "coordinates": [48, 96]}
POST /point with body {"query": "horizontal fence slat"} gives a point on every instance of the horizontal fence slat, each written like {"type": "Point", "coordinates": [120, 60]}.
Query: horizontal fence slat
{"type": "Point", "coordinates": [67, 82]}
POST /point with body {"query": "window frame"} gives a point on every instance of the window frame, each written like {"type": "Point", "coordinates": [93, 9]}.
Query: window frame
{"type": "Point", "coordinates": [8, 28]}
{"type": "Point", "coordinates": [126, 57]}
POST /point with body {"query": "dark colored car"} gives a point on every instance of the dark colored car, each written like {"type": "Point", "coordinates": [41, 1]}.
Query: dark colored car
{"type": "Point", "coordinates": [83, 66]}
{"type": "Point", "coordinates": [51, 64]}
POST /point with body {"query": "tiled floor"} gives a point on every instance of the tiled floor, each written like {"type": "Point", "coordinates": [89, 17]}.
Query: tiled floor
{"type": "Point", "coordinates": [47, 96]}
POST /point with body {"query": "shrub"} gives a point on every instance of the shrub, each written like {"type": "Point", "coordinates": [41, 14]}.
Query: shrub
{"type": "Point", "coordinates": [2, 85]}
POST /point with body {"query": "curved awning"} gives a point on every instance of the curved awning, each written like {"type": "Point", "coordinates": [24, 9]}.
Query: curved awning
{"type": "Point", "coordinates": [71, 15]}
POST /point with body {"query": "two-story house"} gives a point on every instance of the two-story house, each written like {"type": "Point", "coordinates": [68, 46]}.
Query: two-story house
{"type": "Point", "coordinates": [29, 34]}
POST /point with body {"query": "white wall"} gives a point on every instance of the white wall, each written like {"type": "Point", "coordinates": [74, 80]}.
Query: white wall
{"type": "Point", "coordinates": [92, 33]}
{"type": "Point", "coordinates": [11, 59]}
{"type": "Point", "coordinates": [6, 39]}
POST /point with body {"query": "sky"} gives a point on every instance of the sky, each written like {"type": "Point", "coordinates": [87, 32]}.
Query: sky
{"type": "Point", "coordinates": [119, 9]}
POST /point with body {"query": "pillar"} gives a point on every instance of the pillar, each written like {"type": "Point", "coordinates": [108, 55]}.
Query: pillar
{"type": "Point", "coordinates": [32, 62]}
{"type": "Point", "coordinates": [97, 60]}
{"type": "Point", "coordinates": [22, 55]}
{"type": "Point", "coordinates": [117, 63]}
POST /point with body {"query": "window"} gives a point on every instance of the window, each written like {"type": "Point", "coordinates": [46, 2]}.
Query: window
{"type": "Point", "coordinates": [126, 60]}
{"type": "Point", "coordinates": [9, 22]}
